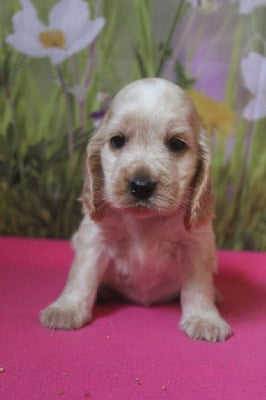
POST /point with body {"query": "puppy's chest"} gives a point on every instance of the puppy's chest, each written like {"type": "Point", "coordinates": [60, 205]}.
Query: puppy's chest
{"type": "Point", "coordinates": [136, 254]}
{"type": "Point", "coordinates": [145, 266]}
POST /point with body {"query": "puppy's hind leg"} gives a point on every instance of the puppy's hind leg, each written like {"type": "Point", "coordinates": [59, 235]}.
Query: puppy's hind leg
{"type": "Point", "coordinates": [73, 308]}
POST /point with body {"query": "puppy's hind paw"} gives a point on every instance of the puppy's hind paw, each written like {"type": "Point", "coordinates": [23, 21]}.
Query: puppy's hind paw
{"type": "Point", "coordinates": [57, 316]}
{"type": "Point", "coordinates": [212, 329]}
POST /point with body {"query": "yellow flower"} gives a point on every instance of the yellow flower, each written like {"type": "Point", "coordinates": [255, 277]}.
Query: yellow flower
{"type": "Point", "coordinates": [216, 116]}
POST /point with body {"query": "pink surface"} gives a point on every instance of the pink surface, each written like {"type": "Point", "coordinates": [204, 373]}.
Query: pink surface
{"type": "Point", "coordinates": [128, 352]}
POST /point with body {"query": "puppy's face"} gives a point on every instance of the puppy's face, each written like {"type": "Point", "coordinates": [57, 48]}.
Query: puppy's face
{"type": "Point", "coordinates": [149, 156]}
{"type": "Point", "coordinates": [150, 149]}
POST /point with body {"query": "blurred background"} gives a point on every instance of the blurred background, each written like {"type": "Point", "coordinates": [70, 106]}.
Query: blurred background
{"type": "Point", "coordinates": [216, 50]}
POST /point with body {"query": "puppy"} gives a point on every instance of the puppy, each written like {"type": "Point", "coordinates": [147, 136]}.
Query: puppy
{"type": "Point", "coordinates": [148, 205]}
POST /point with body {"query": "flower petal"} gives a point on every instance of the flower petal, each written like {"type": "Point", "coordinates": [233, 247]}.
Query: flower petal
{"type": "Point", "coordinates": [255, 109]}
{"type": "Point", "coordinates": [64, 13]}
{"type": "Point", "coordinates": [246, 6]}
{"type": "Point", "coordinates": [86, 35]}
{"type": "Point", "coordinates": [27, 43]}
{"type": "Point", "coordinates": [26, 20]}
{"type": "Point", "coordinates": [58, 55]}
{"type": "Point", "coordinates": [254, 74]}
{"type": "Point", "coordinates": [69, 15]}
{"type": "Point", "coordinates": [251, 69]}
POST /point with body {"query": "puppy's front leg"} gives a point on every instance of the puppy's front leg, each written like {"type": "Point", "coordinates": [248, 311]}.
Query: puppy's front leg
{"type": "Point", "coordinates": [73, 308]}
{"type": "Point", "coordinates": [200, 317]}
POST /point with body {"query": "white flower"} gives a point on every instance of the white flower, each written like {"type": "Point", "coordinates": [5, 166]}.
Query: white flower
{"type": "Point", "coordinates": [69, 30]}
{"type": "Point", "coordinates": [246, 6]}
{"type": "Point", "coordinates": [253, 69]}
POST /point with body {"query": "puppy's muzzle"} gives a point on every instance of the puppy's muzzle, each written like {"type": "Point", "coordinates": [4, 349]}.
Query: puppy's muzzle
{"type": "Point", "coordinates": [142, 188]}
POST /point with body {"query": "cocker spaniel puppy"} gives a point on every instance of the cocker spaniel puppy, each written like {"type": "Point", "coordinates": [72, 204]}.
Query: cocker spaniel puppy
{"type": "Point", "coordinates": [148, 205]}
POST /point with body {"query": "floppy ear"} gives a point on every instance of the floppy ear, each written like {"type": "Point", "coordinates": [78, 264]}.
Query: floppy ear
{"type": "Point", "coordinates": [201, 202]}
{"type": "Point", "coordinates": [92, 193]}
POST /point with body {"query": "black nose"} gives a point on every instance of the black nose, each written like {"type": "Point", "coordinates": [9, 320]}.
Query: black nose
{"type": "Point", "coordinates": [142, 188]}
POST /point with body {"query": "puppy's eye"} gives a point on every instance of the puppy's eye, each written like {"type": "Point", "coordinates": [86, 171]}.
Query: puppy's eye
{"type": "Point", "coordinates": [176, 145]}
{"type": "Point", "coordinates": [118, 141]}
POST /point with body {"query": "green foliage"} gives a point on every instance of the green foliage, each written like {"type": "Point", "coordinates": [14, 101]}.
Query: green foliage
{"type": "Point", "coordinates": [182, 79]}
{"type": "Point", "coordinates": [240, 221]}
{"type": "Point", "coordinates": [145, 49]}
{"type": "Point", "coordinates": [38, 187]}
{"type": "Point", "coordinates": [150, 57]}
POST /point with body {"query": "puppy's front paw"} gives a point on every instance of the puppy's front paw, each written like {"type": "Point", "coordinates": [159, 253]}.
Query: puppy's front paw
{"type": "Point", "coordinates": [210, 328]}
{"type": "Point", "coordinates": [58, 316]}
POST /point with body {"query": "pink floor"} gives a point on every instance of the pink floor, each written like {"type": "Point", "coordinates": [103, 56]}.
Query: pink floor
{"type": "Point", "coordinates": [128, 352]}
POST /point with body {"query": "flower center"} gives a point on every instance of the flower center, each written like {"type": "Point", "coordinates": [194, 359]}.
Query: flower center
{"type": "Point", "coordinates": [52, 38]}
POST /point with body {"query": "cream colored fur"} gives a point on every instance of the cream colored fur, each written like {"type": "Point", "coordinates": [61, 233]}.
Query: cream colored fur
{"type": "Point", "coordinates": [152, 248]}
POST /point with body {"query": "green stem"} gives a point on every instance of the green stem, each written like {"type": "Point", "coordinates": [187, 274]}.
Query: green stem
{"type": "Point", "coordinates": [85, 85]}
{"type": "Point", "coordinates": [68, 116]}
{"type": "Point", "coordinates": [145, 44]}
{"type": "Point", "coordinates": [166, 45]}
{"type": "Point", "coordinates": [75, 69]}
{"type": "Point", "coordinates": [15, 129]}
{"type": "Point", "coordinates": [231, 87]}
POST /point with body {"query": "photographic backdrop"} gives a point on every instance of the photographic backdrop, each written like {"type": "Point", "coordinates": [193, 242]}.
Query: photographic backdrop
{"type": "Point", "coordinates": [61, 62]}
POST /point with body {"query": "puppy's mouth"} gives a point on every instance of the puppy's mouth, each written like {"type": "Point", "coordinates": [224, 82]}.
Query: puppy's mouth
{"type": "Point", "coordinates": [142, 192]}
{"type": "Point", "coordinates": [141, 210]}
{"type": "Point", "coordinates": [145, 197]}
{"type": "Point", "coordinates": [138, 197]}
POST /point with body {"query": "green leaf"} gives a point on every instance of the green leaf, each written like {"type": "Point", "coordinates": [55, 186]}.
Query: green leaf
{"type": "Point", "coordinates": [181, 77]}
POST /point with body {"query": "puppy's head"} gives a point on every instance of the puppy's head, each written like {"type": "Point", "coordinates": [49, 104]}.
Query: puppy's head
{"type": "Point", "coordinates": [149, 156]}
